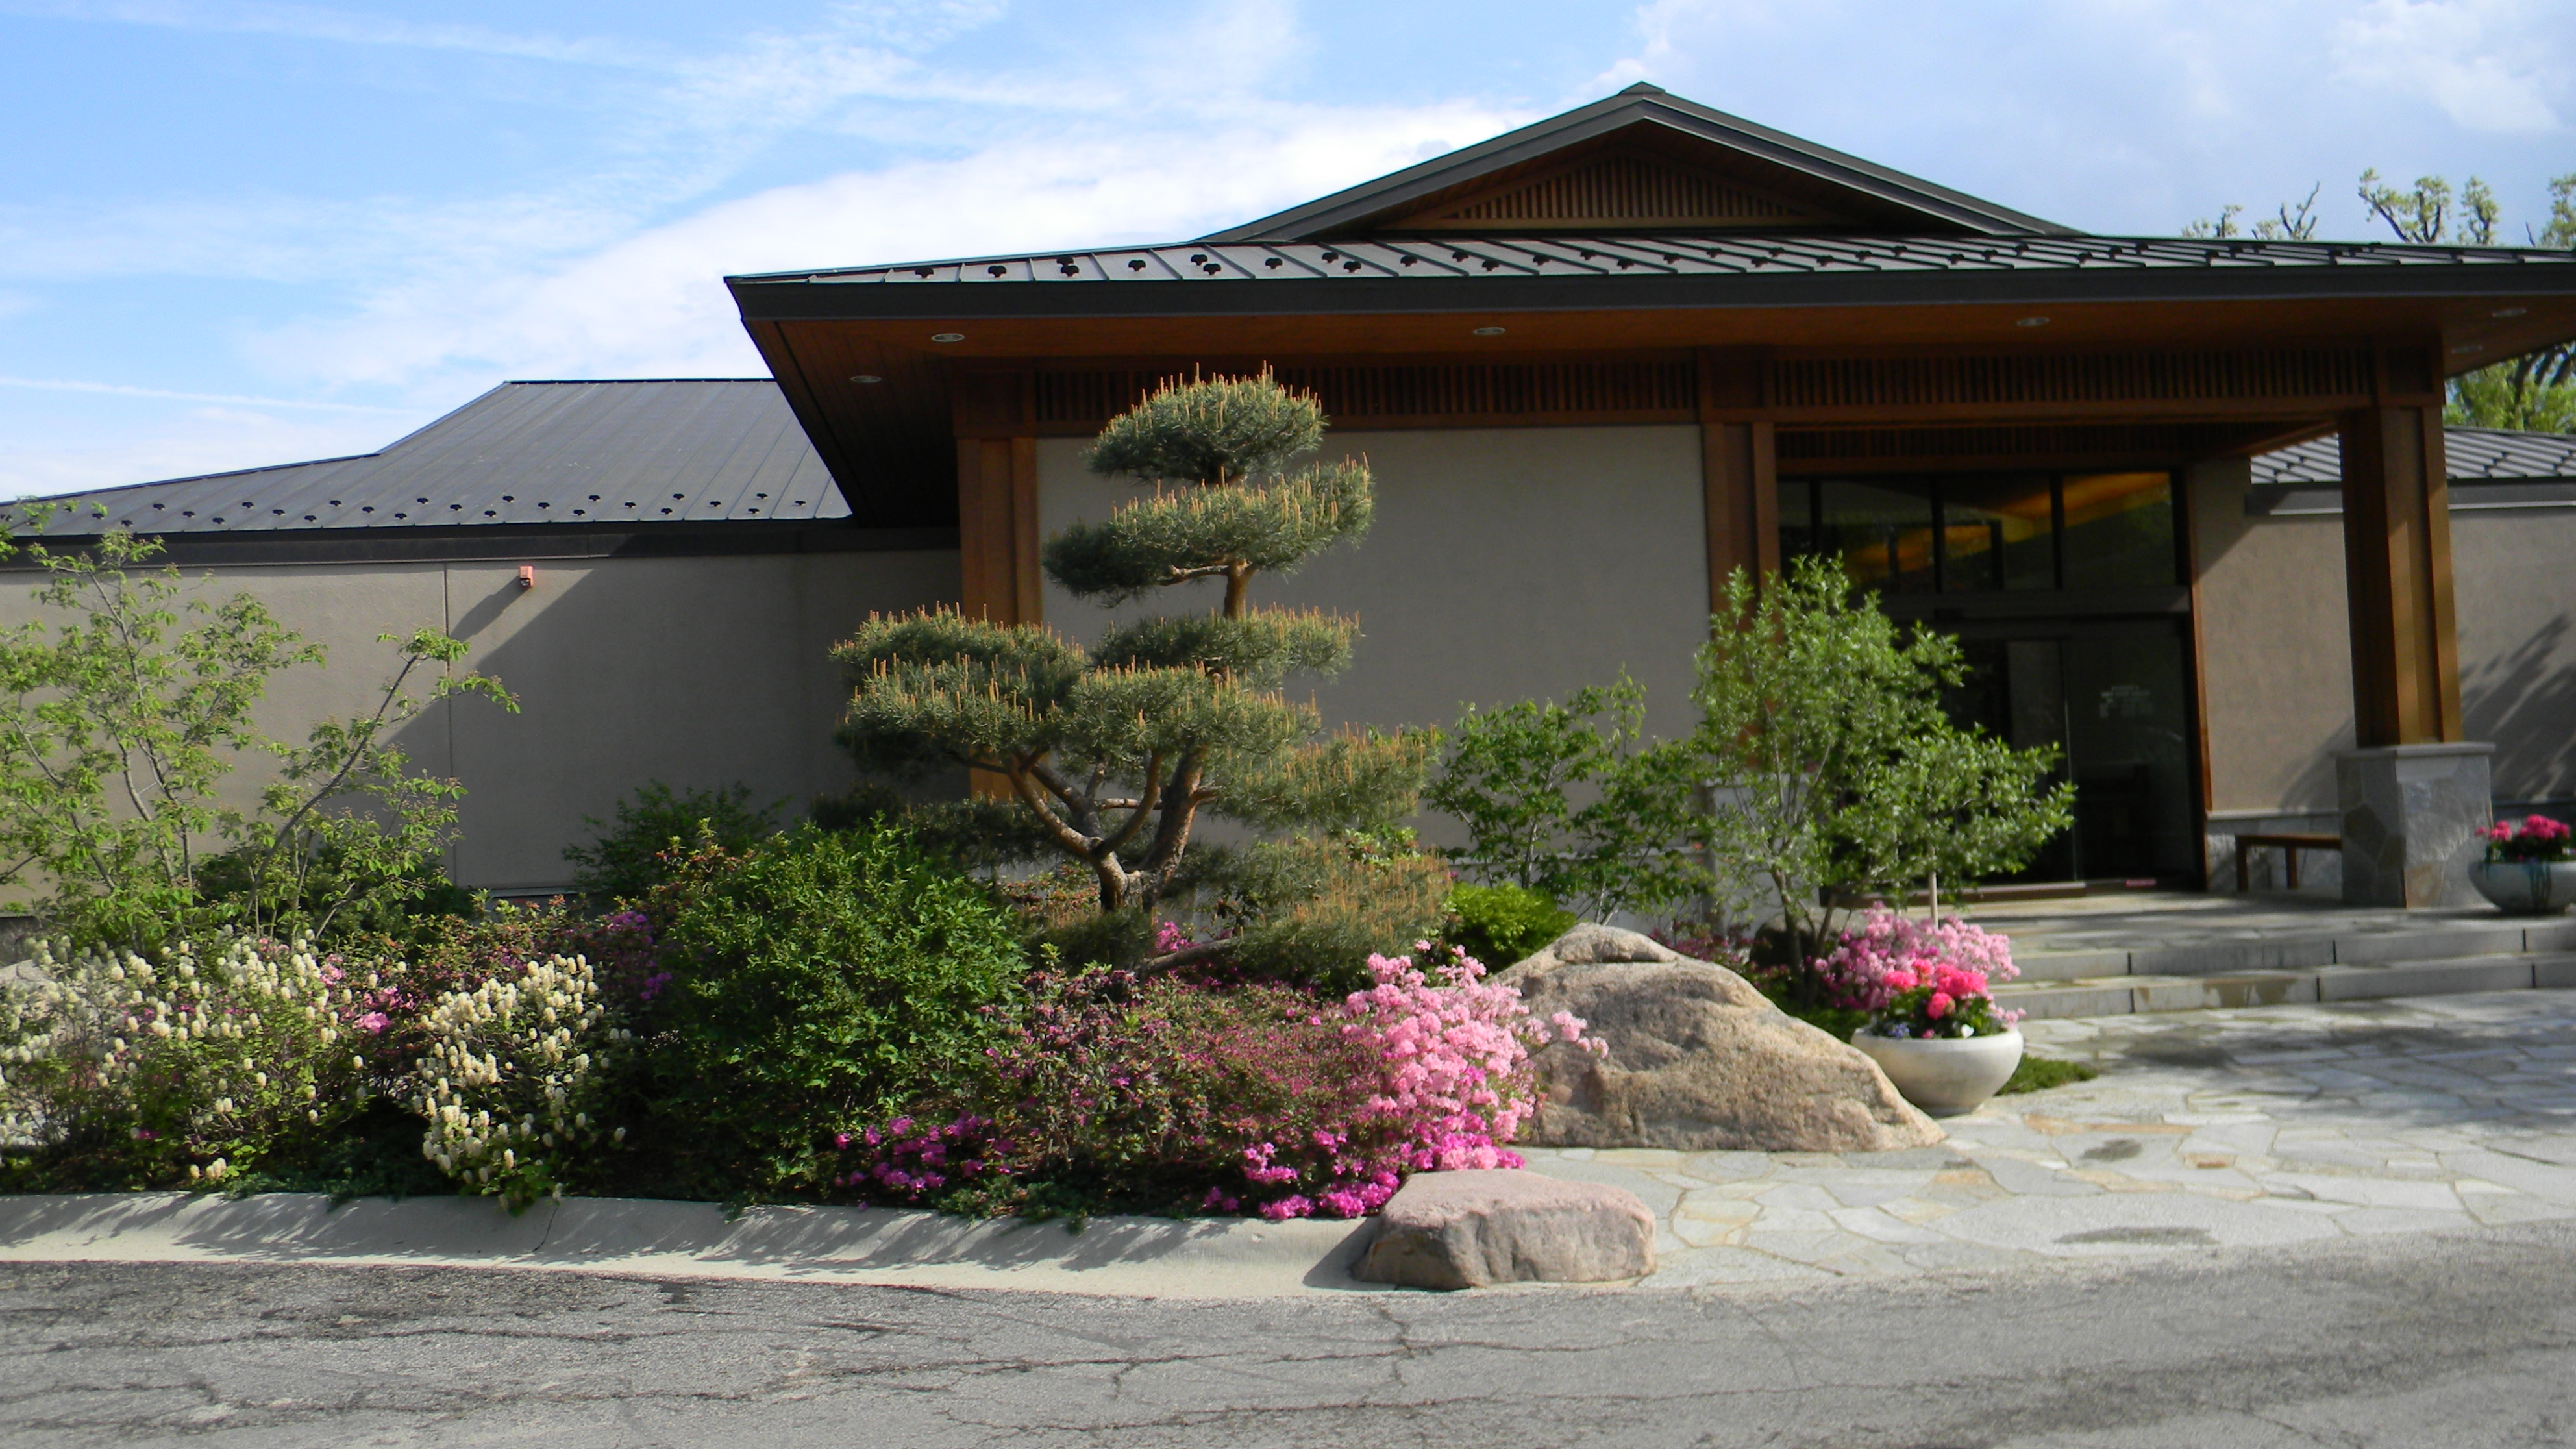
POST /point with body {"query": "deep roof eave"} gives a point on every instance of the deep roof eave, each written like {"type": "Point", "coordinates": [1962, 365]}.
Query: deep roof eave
{"type": "Point", "coordinates": [796, 297]}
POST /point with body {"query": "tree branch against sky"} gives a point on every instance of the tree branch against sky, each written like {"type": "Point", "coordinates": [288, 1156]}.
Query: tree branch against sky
{"type": "Point", "coordinates": [238, 234]}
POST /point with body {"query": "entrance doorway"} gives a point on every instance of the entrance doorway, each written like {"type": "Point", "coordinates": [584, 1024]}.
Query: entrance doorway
{"type": "Point", "coordinates": [2067, 592]}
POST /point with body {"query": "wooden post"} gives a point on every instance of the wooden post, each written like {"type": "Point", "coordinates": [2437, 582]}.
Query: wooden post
{"type": "Point", "coordinates": [997, 509]}
{"type": "Point", "coordinates": [1739, 472]}
{"type": "Point", "coordinates": [997, 497]}
{"type": "Point", "coordinates": [2397, 561]}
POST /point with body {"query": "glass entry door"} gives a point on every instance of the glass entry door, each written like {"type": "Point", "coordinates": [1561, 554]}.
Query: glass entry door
{"type": "Point", "coordinates": [2113, 697]}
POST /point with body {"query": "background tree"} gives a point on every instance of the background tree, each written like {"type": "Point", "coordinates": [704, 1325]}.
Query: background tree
{"type": "Point", "coordinates": [1116, 751]}
{"type": "Point", "coordinates": [118, 725]}
{"type": "Point", "coordinates": [2534, 393]}
{"type": "Point", "coordinates": [1514, 777]}
{"type": "Point", "coordinates": [1834, 768]}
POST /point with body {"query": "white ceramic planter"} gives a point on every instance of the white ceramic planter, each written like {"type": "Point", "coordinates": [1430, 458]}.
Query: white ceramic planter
{"type": "Point", "coordinates": [1944, 1076]}
{"type": "Point", "coordinates": [2526, 887]}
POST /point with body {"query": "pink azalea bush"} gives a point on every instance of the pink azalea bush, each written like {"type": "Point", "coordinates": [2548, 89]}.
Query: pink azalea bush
{"type": "Point", "coordinates": [1919, 978]}
{"type": "Point", "coordinates": [1121, 1091]}
{"type": "Point", "coordinates": [2534, 837]}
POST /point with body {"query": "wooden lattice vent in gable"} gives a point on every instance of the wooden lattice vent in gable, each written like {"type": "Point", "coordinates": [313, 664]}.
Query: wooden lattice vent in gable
{"type": "Point", "coordinates": [1799, 383]}
{"type": "Point", "coordinates": [1617, 190]}
{"type": "Point", "coordinates": [1416, 396]}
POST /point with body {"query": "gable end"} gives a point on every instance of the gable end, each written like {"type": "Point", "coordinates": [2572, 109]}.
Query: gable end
{"type": "Point", "coordinates": [1624, 189]}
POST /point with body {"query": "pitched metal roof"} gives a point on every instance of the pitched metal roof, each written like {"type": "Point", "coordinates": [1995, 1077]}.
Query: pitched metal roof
{"type": "Point", "coordinates": [694, 450]}
{"type": "Point", "coordinates": [1648, 105]}
{"type": "Point", "coordinates": [1507, 272]}
{"type": "Point", "coordinates": [2474, 455]}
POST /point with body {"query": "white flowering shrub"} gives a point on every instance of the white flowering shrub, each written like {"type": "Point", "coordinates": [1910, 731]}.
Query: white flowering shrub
{"type": "Point", "coordinates": [120, 1071]}
{"type": "Point", "coordinates": [512, 1078]}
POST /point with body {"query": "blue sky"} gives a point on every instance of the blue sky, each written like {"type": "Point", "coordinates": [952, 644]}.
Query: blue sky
{"type": "Point", "coordinates": [244, 233]}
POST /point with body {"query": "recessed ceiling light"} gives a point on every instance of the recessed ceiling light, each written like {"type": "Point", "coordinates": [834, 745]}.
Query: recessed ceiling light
{"type": "Point", "coordinates": [1489, 332]}
{"type": "Point", "coordinates": [865, 378]}
{"type": "Point", "coordinates": [2031, 322]}
{"type": "Point", "coordinates": [947, 336]}
{"type": "Point", "coordinates": [2470, 347]}
{"type": "Point", "coordinates": [2508, 311]}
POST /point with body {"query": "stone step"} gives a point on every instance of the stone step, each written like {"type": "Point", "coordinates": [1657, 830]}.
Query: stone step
{"type": "Point", "coordinates": [2286, 951]}
{"type": "Point", "coordinates": [2114, 995]}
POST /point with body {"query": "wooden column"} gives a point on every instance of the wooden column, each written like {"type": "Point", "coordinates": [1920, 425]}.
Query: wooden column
{"type": "Point", "coordinates": [997, 497]}
{"type": "Point", "coordinates": [997, 511]}
{"type": "Point", "coordinates": [1738, 470]}
{"type": "Point", "coordinates": [2397, 559]}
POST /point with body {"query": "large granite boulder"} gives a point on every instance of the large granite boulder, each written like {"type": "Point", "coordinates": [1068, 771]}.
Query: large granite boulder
{"type": "Point", "coordinates": [1468, 1229]}
{"type": "Point", "coordinates": [1698, 1060]}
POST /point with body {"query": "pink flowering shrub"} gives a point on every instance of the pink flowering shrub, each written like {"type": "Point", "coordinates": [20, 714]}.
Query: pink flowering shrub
{"type": "Point", "coordinates": [1920, 979]}
{"type": "Point", "coordinates": [1117, 1091]}
{"type": "Point", "coordinates": [2534, 837]}
{"type": "Point", "coordinates": [1454, 1056]}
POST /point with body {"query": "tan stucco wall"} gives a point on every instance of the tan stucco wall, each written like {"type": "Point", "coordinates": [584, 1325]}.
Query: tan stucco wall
{"type": "Point", "coordinates": [695, 671]}
{"type": "Point", "coordinates": [1505, 564]}
{"type": "Point", "coordinates": [2277, 653]}
{"type": "Point", "coordinates": [2276, 659]}
{"type": "Point", "coordinates": [2515, 591]}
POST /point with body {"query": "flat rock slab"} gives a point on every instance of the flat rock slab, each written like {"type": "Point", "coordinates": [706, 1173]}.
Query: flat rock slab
{"type": "Point", "coordinates": [1699, 1060]}
{"type": "Point", "coordinates": [1471, 1229]}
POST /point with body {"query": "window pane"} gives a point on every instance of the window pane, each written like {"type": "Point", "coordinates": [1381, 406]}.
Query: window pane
{"type": "Point", "coordinates": [1995, 534]}
{"type": "Point", "coordinates": [2119, 531]}
{"type": "Point", "coordinates": [1797, 527]}
{"type": "Point", "coordinates": [1882, 532]}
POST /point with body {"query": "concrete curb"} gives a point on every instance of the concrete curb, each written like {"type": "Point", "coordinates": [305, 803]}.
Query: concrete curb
{"type": "Point", "coordinates": [1125, 1256]}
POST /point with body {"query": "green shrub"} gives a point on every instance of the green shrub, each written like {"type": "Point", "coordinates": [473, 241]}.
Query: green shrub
{"type": "Point", "coordinates": [626, 860]}
{"type": "Point", "coordinates": [1313, 910]}
{"type": "Point", "coordinates": [117, 1072]}
{"type": "Point", "coordinates": [1502, 924]}
{"type": "Point", "coordinates": [819, 981]}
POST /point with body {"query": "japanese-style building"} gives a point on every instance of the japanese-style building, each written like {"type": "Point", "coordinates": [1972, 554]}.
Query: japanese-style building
{"type": "Point", "coordinates": [1607, 358]}
{"type": "Point", "coordinates": [2187, 501]}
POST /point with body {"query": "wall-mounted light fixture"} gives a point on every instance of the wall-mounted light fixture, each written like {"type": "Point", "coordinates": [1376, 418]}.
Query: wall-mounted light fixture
{"type": "Point", "coordinates": [527, 576]}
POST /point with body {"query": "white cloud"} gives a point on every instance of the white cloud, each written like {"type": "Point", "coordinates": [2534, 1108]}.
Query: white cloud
{"type": "Point", "coordinates": [188, 442]}
{"type": "Point", "coordinates": [653, 304]}
{"type": "Point", "coordinates": [2491, 65]}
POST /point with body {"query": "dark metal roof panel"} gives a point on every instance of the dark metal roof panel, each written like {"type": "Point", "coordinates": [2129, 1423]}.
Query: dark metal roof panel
{"type": "Point", "coordinates": [2474, 455]}
{"type": "Point", "coordinates": [1664, 269]}
{"type": "Point", "coordinates": [575, 453]}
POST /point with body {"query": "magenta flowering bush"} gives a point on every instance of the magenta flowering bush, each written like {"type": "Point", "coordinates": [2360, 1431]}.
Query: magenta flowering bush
{"type": "Point", "coordinates": [1918, 978]}
{"type": "Point", "coordinates": [2534, 837]}
{"type": "Point", "coordinates": [907, 1163]}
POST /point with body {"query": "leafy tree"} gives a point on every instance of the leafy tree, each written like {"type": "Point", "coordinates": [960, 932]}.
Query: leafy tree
{"type": "Point", "coordinates": [347, 833]}
{"type": "Point", "coordinates": [2288, 224]}
{"type": "Point", "coordinates": [2535, 392]}
{"type": "Point", "coordinates": [1836, 770]}
{"type": "Point", "coordinates": [117, 727]}
{"type": "Point", "coordinates": [1114, 752]}
{"type": "Point", "coordinates": [1513, 774]}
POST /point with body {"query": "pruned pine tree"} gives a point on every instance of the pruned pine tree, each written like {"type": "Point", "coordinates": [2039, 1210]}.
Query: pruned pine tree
{"type": "Point", "coordinates": [1117, 750]}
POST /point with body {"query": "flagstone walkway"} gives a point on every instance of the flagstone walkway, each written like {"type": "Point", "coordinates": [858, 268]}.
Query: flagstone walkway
{"type": "Point", "coordinates": [2207, 1129]}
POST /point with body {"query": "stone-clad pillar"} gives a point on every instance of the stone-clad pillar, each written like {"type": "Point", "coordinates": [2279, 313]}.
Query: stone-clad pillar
{"type": "Point", "coordinates": [2411, 817]}
{"type": "Point", "coordinates": [2416, 792]}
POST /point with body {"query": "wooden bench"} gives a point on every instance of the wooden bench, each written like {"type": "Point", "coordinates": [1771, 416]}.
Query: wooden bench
{"type": "Point", "coordinates": [2290, 843]}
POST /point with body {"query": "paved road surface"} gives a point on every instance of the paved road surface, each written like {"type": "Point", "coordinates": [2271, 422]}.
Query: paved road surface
{"type": "Point", "coordinates": [2419, 1339]}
